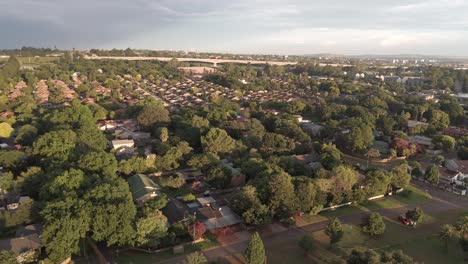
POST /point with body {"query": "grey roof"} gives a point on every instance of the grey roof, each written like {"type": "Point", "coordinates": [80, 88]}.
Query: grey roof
{"type": "Point", "coordinates": [21, 244]}
{"type": "Point", "coordinates": [22, 231]}
{"type": "Point", "coordinates": [228, 218]}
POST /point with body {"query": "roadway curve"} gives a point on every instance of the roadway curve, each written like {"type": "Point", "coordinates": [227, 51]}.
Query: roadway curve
{"type": "Point", "coordinates": [213, 61]}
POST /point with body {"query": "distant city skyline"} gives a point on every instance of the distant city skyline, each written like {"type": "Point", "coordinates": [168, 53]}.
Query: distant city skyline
{"type": "Point", "coordinates": [296, 27]}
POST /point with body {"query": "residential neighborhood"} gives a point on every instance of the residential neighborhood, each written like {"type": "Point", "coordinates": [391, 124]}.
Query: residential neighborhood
{"type": "Point", "coordinates": [233, 132]}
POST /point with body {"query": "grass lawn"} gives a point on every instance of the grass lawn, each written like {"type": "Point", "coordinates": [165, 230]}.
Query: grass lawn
{"type": "Point", "coordinates": [310, 219]}
{"type": "Point", "coordinates": [432, 250]}
{"type": "Point", "coordinates": [412, 195]}
{"type": "Point", "coordinates": [134, 257]}
{"type": "Point", "coordinates": [345, 210]}
{"type": "Point", "coordinates": [380, 204]}
{"type": "Point", "coordinates": [421, 242]}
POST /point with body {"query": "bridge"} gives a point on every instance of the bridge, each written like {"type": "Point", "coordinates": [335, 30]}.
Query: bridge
{"type": "Point", "coordinates": [215, 62]}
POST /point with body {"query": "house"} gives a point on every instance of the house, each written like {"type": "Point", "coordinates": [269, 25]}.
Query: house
{"type": "Point", "coordinates": [176, 211]}
{"type": "Point", "coordinates": [218, 217]}
{"type": "Point", "coordinates": [143, 188]}
{"type": "Point", "coordinates": [460, 168]}
{"type": "Point", "coordinates": [413, 81]}
{"type": "Point", "coordinates": [455, 132]}
{"type": "Point", "coordinates": [311, 128]}
{"type": "Point", "coordinates": [392, 79]}
{"type": "Point", "coordinates": [237, 177]}
{"type": "Point", "coordinates": [107, 125]}
{"type": "Point", "coordinates": [123, 146]}
{"type": "Point", "coordinates": [421, 140]}
{"type": "Point", "coordinates": [25, 243]}
{"type": "Point", "coordinates": [415, 126]}
{"type": "Point", "coordinates": [13, 201]}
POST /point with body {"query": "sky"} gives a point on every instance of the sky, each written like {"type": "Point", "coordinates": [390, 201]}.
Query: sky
{"type": "Point", "coordinates": [353, 27]}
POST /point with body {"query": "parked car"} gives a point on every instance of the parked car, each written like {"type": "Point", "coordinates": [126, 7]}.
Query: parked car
{"type": "Point", "coordinates": [404, 220]}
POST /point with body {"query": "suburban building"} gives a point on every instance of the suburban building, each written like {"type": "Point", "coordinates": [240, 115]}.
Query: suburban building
{"type": "Point", "coordinates": [455, 132]}
{"type": "Point", "coordinates": [123, 146]}
{"type": "Point", "coordinates": [238, 178]}
{"type": "Point", "coordinates": [143, 188]}
{"type": "Point", "coordinates": [415, 126]}
{"type": "Point", "coordinates": [421, 140]}
{"type": "Point", "coordinates": [26, 242]}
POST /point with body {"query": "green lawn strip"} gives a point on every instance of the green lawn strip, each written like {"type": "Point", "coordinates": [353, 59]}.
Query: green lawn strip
{"type": "Point", "coordinates": [345, 210]}
{"type": "Point", "coordinates": [383, 203]}
{"type": "Point", "coordinates": [175, 192]}
{"type": "Point", "coordinates": [412, 195]}
{"type": "Point", "coordinates": [431, 249]}
{"type": "Point", "coordinates": [311, 219]}
{"type": "Point", "coordinates": [133, 256]}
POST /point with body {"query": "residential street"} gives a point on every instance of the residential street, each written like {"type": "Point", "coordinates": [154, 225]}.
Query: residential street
{"type": "Point", "coordinates": [441, 201]}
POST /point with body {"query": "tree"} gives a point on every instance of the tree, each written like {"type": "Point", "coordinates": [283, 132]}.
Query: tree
{"type": "Point", "coordinates": [5, 130]}
{"type": "Point", "coordinates": [359, 138]}
{"type": "Point", "coordinates": [219, 177]}
{"type": "Point", "coordinates": [281, 195]}
{"type": "Point", "coordinates": [330, 156]}
{"type": "Point", "coordinates": [432, 174]}
{"type": "Point", "coordinates": [255, 252]}
{"type": "Point", "coordinates": [153, 113]}
{"type": "Point", "coordinates": [195, 258]}
{"type": "Point", "coordinates": [345, 178]}
{"type": "Point", "coordinates": [217, 141]}
{"type": "Point", "coordinates": [196, 230]}
{"type": "Point", "coordinates": [8, 257]}
{"type": "Point", "coordinates": [376, 182]}
{"type": "Point", "coordinates": [369, 256]}
{"type": "Point", "coordinates": [175, 181]}
{"type": "Point", "coordinates": [374, 225]}
{"type": "Point", "coordinates": [56, 145]}
{"type": "Point", "coordinates": [26, 135]}
{"type": "Point", "coordinates": [335, 231]}
{"type": "Point", "coordinates": [438, 119]}
{"type": "Point", "coordinates": [414, 215]}
{"type": "Point", "coordinates": [249, 205]}
{"type": "Point", "coordinates": [448, 233]}
{"type": "Point", "coordinates": [163, 134]}
{"type": "Point", "coordinates": [276, 143]}
{"type": "Point", "coordinates": [448, 143]}
{"type": "Point", "coordinates": [372, 153]}
{"type": "Point", "coordinates": [309, 196]}
{"type": "Point", "coordinates": [150, 228]}
{"type": "Point", "coordinates": [400, 176]}
{"type": "Point", "coordinates": [306, 243]}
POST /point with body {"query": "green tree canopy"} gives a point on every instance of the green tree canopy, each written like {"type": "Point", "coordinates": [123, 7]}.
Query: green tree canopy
{"type": "Point", "coordinates": [335, 231]}
{"type": "Point", "coordinates": [374, 225]}
{"type": "Point", "coordinates": [255, 252]}
{"type": "Point", "coordinates": [217, 141]}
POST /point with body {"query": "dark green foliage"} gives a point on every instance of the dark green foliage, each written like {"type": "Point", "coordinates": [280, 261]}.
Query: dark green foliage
{"type": "Point", "coordinates": [307, 243]}
{"type": "Point", "coordinates": [175, 181]}
{"type": "Point", "coordinates": [415, 215]}
{"type": "Point", "coordinates": [374, 225]}
{"type": "Point", "coordinates": [335, 231]}
{"type": "Point", "coordinates": [255, 252]}
{"type": "Point", "coordinates": [219, 177]}
{"type": "Point", "coordinates": [371, 257]}
{"type": "Point", "coordinates": [217, 141]}
{"type": "Point", "coordinates": [432, 174]}
{"type": "Point", "coordinates": [152, 114]}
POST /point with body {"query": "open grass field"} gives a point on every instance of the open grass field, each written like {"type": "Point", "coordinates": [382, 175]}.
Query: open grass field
{"type": "Point", "coordinates": [422, 242]}
{"type": "Point", "coordinates": [412, 195]}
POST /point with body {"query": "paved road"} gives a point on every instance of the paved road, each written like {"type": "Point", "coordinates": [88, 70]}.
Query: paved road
{"type": "Point", "coordinates": [441, 201]}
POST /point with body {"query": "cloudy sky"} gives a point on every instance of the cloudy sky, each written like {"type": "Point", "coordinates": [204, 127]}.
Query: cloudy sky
{"type": "Point", "coordinates": [242, 26]}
